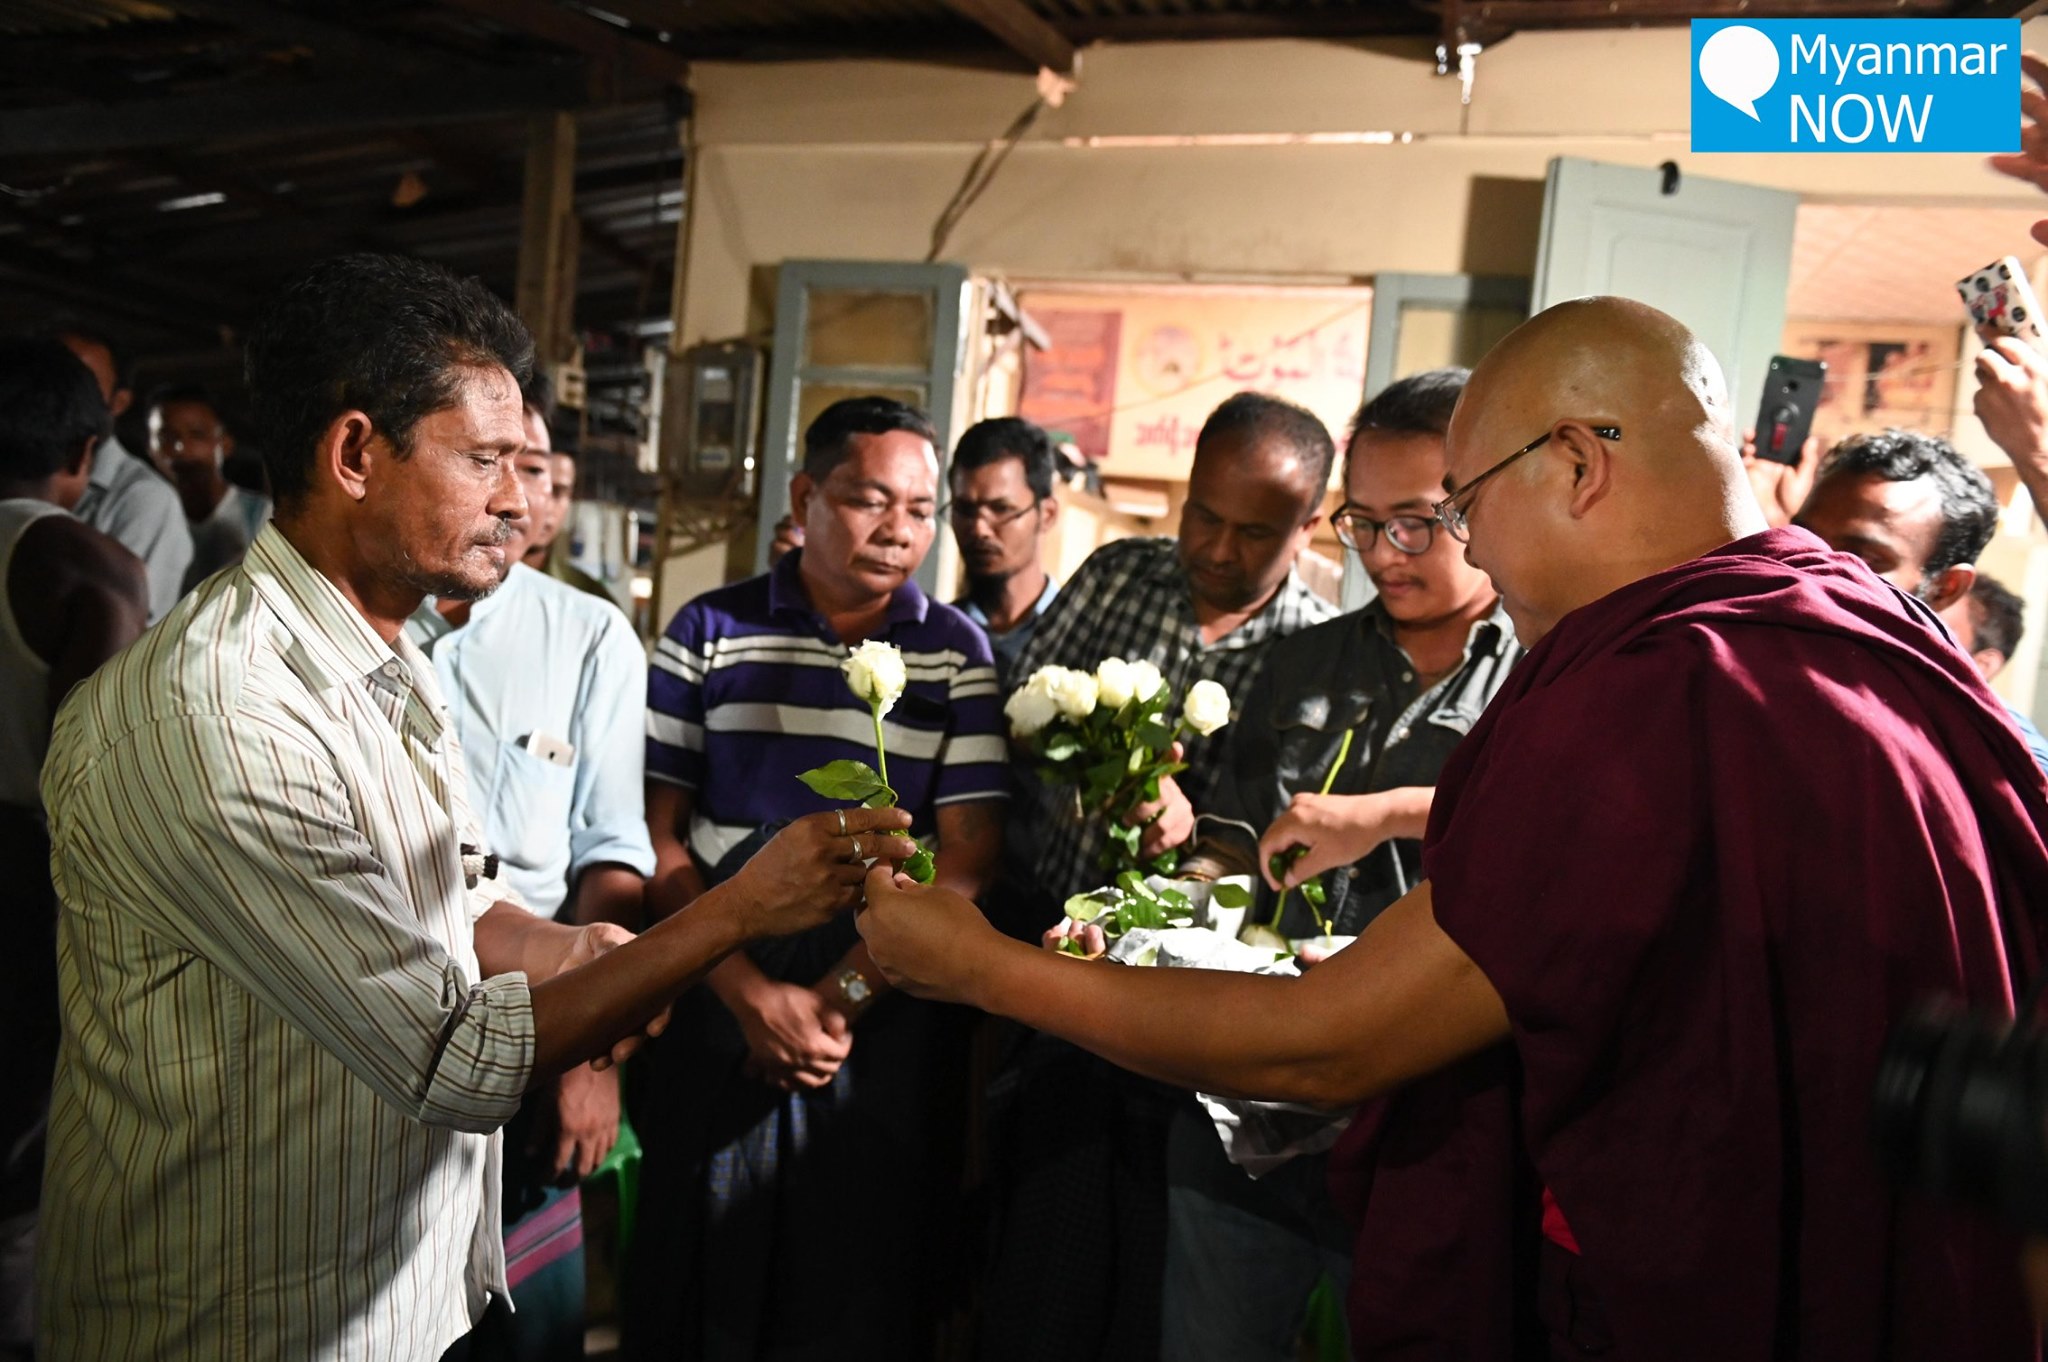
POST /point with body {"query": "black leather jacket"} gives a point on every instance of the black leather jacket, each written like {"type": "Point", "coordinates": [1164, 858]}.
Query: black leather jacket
{"type": "Point", "coordinates": [1349, 674]}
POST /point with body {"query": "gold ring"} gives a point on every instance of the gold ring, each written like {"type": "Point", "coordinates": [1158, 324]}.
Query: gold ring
{"type": "Point", "coordinates": [842, 821]}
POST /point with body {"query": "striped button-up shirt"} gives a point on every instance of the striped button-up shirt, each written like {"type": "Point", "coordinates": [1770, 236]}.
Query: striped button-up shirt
{"type": "Point", "coordinates": [272, 1131]}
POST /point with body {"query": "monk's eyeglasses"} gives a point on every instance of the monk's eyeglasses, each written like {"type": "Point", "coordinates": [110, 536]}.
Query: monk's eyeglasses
{"type": "Point", "coordinates": [1450, 512]}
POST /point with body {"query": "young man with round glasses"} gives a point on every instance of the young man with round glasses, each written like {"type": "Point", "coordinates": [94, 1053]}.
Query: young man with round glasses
{"type": "Point", "coordinates": [1406, 677]}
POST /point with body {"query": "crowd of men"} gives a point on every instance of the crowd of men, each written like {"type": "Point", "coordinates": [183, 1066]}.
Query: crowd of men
{"type": "Point", "coordinates": [367, 874]}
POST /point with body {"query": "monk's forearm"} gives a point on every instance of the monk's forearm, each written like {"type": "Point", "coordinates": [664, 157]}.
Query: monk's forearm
{"type": "Point", "coordinates": [1400, 1002]}
{"type": "Point", "coordinates": [1238, 1035]}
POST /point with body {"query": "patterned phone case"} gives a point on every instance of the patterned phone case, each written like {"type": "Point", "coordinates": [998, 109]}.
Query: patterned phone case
{"type": "Point", "coordinates": [2000, 297]}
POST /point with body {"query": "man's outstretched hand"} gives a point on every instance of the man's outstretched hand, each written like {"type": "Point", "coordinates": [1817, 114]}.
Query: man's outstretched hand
{"type": "Point", "coordinates": [589, 942]}
{"type": "Point", "coordinates": [2012, 402]}
{"type": "Point", "coordinates": [2030, 162]}
{"type": "Point", "coordinates": [928, 941]}
{"type": "Point", "coordinates": [811, 870]}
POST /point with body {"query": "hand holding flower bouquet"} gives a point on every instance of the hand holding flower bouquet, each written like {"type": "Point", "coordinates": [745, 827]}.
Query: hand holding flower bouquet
{"type": "Point", "coordinates": [1107, 736]}
{"type": "Point", "coordinates": [876, 673]}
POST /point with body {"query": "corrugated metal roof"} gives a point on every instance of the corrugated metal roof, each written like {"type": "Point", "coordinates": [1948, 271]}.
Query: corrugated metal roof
{"type": "Point", "coordinates": [24, 17]}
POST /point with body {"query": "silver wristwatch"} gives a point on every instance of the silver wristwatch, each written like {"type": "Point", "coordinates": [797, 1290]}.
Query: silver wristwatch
{"type": "Point", "coordinates": [855, 989]}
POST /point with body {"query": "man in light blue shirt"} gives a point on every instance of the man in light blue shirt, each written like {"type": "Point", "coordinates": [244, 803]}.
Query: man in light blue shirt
{"type": "Point", "coordinates": [546, 690]}
{"type": "Point", "coordinates": [126, 499]}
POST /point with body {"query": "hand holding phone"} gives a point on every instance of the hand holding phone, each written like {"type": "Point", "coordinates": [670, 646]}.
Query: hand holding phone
{"type": "Point", "coordinates": [2002, 302]}
{"type": "Point", "coordinates": [1784, 419]}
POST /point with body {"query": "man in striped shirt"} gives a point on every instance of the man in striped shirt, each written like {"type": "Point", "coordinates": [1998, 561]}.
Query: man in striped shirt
{"type": "Point", "coordinates": [296, 1005]}
{"type": "Point", "coordinates": [792, 1080]}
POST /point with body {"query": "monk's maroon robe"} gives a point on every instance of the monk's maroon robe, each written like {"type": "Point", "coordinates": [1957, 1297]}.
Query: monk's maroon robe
{"type": "Point", "coordinates": [1716, 834]}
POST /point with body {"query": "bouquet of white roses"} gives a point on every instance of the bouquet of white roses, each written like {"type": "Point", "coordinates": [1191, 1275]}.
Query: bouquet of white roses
{"type": "Point", "coordinates": [876, 673]}
{"type": "Point", "coordinates": [1106, 734]}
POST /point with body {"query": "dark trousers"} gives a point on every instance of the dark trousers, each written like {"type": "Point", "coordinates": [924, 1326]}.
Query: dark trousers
{"type": "Point", "coordinates": [29, 1020]}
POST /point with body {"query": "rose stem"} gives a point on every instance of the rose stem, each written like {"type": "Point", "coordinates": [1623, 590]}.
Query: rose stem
{"type": "Point", "coordinates": [1329, 779]}
{"type": "Point", "coordinates": [881, 756]}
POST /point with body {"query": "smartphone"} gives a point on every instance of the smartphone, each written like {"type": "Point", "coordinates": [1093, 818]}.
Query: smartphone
{"type": "Point", "coordinates": [1999, 297]}
{"type": "Point", "coordinates": [1785, 418]}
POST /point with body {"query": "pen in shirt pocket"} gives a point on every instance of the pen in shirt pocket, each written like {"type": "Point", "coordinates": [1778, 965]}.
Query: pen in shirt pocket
{"type": "Point", "coordinates": [549, 749]}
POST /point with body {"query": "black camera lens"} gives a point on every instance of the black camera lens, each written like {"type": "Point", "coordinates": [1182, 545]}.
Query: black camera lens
{"type": "Point", "coordinates": [1960, 1110]}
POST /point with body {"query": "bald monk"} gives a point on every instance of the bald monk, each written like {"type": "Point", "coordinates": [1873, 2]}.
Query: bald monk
{"type": "Point", "coordinates": [1739, 809]}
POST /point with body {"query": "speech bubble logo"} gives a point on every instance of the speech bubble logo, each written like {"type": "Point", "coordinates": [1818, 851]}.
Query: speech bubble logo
{"type": "Point", "coordinates": [1739, 65]}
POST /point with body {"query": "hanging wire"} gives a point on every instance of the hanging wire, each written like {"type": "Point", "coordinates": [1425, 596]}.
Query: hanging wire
{"type": "Point", "coordinates": [979, 175]}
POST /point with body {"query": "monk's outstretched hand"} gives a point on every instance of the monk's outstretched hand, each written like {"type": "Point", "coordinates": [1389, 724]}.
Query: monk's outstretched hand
{"type": "Point", "coordinates": [928, 941]}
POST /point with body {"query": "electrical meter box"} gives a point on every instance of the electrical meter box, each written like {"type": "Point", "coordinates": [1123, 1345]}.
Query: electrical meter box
{"type": "Point", "coordinates": [713, 419]}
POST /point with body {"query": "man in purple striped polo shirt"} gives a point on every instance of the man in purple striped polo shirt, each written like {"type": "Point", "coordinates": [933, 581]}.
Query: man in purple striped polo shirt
{"type": "Point", "coordinates": [789, 1079]}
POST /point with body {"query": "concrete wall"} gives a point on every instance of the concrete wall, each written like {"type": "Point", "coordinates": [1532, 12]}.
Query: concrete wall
{"type": "Point", "coordinates": [856, 160]}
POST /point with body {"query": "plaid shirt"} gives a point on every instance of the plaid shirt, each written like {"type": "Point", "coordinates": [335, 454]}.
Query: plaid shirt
{"type": "Point", "coordinates": [1131, 600]}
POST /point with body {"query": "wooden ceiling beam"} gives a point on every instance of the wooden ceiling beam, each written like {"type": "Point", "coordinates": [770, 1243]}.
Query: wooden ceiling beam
{"type": "Point", "coordinates": [1021, 29]}
{"type": "Point", "coordinates": [483, 173]}
{"type": "Point", "coordinates": [283, 110]}
{"type": "Point", "coordinates": [239, 188]}
{"type": "Point", "coordinates": [594, 38]}
{"type": "Point", "coordinates": [111, 289]}
{"type": "Point", "coordinates": [1368, 21]}
{"type": "Point", "coordinates": [324, 37]}
{"type": "Point", "coordinates": [1535, 14]}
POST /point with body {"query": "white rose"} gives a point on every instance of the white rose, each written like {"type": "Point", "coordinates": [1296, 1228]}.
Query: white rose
{"type": "Point", "coordinates": [1114, 683]}
{"type": "Point", "coordinates": [875, 671]}
{"type": "Point", "coordinates": [1031, 706]}
{"type": "Point", "coordinates": [1207, 707]}
{"type": "Point", "coordinates": [1073, 692]}
{"type": "Point", "coordinates": [1145, 680]}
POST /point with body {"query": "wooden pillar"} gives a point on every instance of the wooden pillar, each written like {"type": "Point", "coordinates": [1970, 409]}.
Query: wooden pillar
{"type": "Point", "coordinates": [546, 296]}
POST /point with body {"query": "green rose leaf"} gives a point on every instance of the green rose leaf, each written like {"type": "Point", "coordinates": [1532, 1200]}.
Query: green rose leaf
{"type": "Point", "coordinates": [1312, 890]}
{"type": "Point", "coordinates": [1063, 747]}
{"type": "Point", "coordinates": [1155, 734]}
{"type": "Point", "coordinates": [1085, 907]}
{"type": "Point", "coordinates": [919, 867]}
{"type": "Point", "coordinates": [1231, 896]}
{"type": "Point", "coordinates": [854, 780]}
{"type": "Point", "coordinates": [1103, 778]}
{"type": "Point", "coordinates": [1137, 912]}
